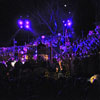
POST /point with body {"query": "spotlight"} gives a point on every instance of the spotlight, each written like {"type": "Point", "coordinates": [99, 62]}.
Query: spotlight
{"type": "Point", "coordinates": [24, 24]}
{"type": "Point", "coordinates": [27, 27]}
{"type": "Point", "coordinates": [65, 5]}
{"type": "Point", "coordinates": [13, 63]}
{"type": "Point", "coordinates": [21, 26]}
{"type": "Point", "coordinates": [27, 22]}
{"type": "Point", "coordinates": [42, 36]}
{"type": "Point", "coordinates": [63, 21]}
{"type": "Point", "coordinates": [20, 22]}
{"type": "Point", "coordinates": [65, 25]}
{"type": "Point", "coordinates": [69, 23]}
{"type": "Point", "coordinates": [59, 34]}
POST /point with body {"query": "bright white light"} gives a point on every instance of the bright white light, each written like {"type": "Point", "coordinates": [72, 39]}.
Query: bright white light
{"type": "Point", "coordinates": [20, 22]}
{"type": "Point", "coordinates": [27, 26]}
{"type": "Point", "coordinates": [23, 62]}
{"type": "Point", "coordinates": [65, 5]}
{"type": "Point", "coordinates": [13, 63]}
{"type": "Point", "coordinates": [59, 34]}
{"type": "Point", "coordinates": [65, 24]}
{"type": "Point", "coordinates": [21, 26]}
{"type": "Point", "coordinates": [27, 22]}
{"type": "Point", "coordinates": [42, 36]}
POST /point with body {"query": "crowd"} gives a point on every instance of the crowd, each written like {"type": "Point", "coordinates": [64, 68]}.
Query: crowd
{"type": "Point", "coordinates": [64, 78]}
{"type": "Point", "coordinates": [39, 80]}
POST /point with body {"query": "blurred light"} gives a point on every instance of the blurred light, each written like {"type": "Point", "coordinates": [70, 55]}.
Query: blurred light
{"type": "Point", "coordinates": [93, 78]}
{"type": "Point", "coordinates": [35, 57]}
{"type": "Point", "coordinates": [63, 21]}
{"type": "Point", "coordinates": [13, 63]}
{"type": "Point", "coordinates": [20, 22]}
{"type": "Point", "coordinates": [25, 49]}
{"type": "Point", "coordinates": [22, 52]}
{"type": "Point", "coordinates": [27, 22]}
{"type": "Point", "coordinates": [36, 51]}
{"type": "Point", "coordinates": [23, 62]}
{"type": "Point", "coordinates": [69, 22]}
{"type": "Point", "coordinates": [35, 44]}
{"type": "Point", "coordinates": [55, 24]}
{"type": "Point", "coordinates": [21, 26]}
{"type": "Point", "coordinates": [26, 57]}
{"type": "Point", "coordinates": [57, 69]}
{"type": "Point", "coordinates": [42, 36]}
{"type": "Point", "coordinates": [90, 32]}
{"type": "Point", "coordinates": [45, 57]}
{"type": "Point", "coordinates": [65, 5]}
{"type": "Point", "coordinates": [59, 34]}
{"type": "Point", "coordinates": [24, 24]}
{"type": "Point", "coordinates": [65, 24]}
{"type": "Point", "coordinates": [27, 26]}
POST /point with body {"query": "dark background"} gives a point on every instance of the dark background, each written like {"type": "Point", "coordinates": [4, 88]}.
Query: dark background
{"type": "Point", "coordinates": [85, 13]}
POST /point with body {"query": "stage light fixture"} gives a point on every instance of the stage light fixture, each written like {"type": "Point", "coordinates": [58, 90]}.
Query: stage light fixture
{"type": "Point", "coordinates": [20, 22]}
{"type": "Point", "coordinates": [27, 22]}
{"type": "Point", "coordinates": [65, 25]}
{"type": "Point", "coordinates": [21, 26]}
{"type": "Point", "coordinates": [63, 21]}
{"type": "Point", "coordinates": [27, 26]}
{"type": "Point", "coordinates": [59, 34]}
{"type": "Point", "coordinates": [24, 23]}
{"type": "Point", "coordinates": [69, 23]}
{"type": "Point", "coordinates": [42, 36]}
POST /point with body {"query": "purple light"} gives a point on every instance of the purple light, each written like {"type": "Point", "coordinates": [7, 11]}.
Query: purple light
{"type": "Point", "coordinates": [22, 52]}
{"type": "Point", "coordinates": [27, 22]}
{"type": "Point", "coordinates": [42, 36]}
{"type": "Point", "coordinates": [21, 26]}
{"type": "Point", "coordinates": [65, 24]}
{"type": "Point", "coordinates": [69, 22]}
{"type": "Point", "coordinates": [90, 33]}
{"type": "Point", "coordinates": [20, 22]}
{"type": "Point", "coordinates": [24, 24]}
{"type": "Point", "coordinates": [27, 26]}
{"type": "Point", "coordinates": [63, 21]}
{"type": "Point", "coordinates": [36, 51]}
{"type": "Point", "coordinates": [59, 34]}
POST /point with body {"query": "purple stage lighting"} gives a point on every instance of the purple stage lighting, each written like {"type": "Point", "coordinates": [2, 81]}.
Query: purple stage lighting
{"type": "Point", "coordinates": [27, 22]}
{"type": "Point", "coordinates": [20, 22]}
{"type": "Point", "coordinates": [24, 24]}
{"type": "Point", "coordinates": [69, 23]}
{"type": "Point", "coordinates": [59, 34]}
{"type": "Point", "coordinates": [42, 36]}
{"type": "Point", "coordinates": [21, 26]}
{"type": "Point", "coordinates": [27, 26]}
{"type": "Point", "coordinates": [63, 21]}
{"type": "Point", "coordinates": [65, 24]}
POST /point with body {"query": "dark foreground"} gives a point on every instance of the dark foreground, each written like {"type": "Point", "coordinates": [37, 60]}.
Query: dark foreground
{"type": "Point", "coordinates": [41, 88]}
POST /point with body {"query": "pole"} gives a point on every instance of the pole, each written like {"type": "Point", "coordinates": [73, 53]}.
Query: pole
{"type": "Point", "coordinates": [51, 52]}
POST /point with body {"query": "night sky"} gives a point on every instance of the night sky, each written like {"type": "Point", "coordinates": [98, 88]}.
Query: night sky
{"type": "Point", "coordinates": [83, 12]}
